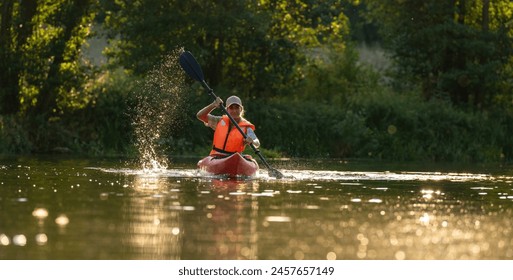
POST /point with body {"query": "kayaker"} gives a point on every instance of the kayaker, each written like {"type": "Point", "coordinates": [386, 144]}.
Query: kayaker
{"type": "Point", "coordinates": [227, 139]}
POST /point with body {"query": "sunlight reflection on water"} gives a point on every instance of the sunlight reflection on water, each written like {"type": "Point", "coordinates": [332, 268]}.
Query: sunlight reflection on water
{"type": "Point", "coordinates": [179, 213]}
{"type": "Point", "coordinates": [315, 175]}
{"type": "Point", "coordinates": [421, 224]}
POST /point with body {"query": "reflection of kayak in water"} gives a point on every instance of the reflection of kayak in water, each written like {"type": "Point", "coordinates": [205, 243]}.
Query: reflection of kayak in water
{"type": "Point", "coordinates": [233, 185]}
{"type": "Point", "coordinates": [233, 165]}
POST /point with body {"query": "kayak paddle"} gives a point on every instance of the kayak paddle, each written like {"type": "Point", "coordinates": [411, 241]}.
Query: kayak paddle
{"type": "Point", "coordinates": [193, 69]}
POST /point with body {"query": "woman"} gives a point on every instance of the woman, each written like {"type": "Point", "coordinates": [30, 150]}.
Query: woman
{"type": "Point", "coordinates": [227, 139]}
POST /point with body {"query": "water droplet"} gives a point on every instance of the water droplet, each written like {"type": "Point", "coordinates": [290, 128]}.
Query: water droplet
{"type": "Point", "coordinates": [4, 240]}
{"type": "Point", "coordinates": [41, 239]}
{"type": "Point", "coordinates": [400, 255]}
{"type": "Point", "coordinates": [245, 251]}
{"type": "Point", "coordinates": [19, 240]}
{"type": "Point", "coordinates": [425, 219]}
{"type": "Point", "coordinates": [62, 220]}
{"type": "Point", "coordinates": [40, 213]}
{"type": "Point", "coordinates": [175, 231]}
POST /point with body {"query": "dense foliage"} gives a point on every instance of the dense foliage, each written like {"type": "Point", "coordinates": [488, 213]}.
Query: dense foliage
{"type": "Point", "coordinates": [40, 44]}
{"type": "Point", "coordinates": [459, 50]}
{"type": "Point", "coordinates": [248, 46]}
{"type": "Point", "coordinates": [298, 65]}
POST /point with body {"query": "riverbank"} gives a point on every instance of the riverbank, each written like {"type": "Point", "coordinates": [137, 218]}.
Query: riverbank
{"type": "Point", "coordinates": [379, 127]}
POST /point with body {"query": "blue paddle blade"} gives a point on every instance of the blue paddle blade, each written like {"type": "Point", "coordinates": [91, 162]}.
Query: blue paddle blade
{"type": "Point", "coordinates": [191, 66]}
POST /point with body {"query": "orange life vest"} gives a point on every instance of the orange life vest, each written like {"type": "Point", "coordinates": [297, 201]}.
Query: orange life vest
{"type": "Point", "coordinates": [228, 140]}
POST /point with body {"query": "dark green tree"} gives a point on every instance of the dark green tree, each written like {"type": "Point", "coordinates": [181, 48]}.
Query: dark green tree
{"type": "Point", "coordinates": [40, 44]}
{"type": "Point", "coordinates": [16, 25]}
{"type": "Point", "coordinates": [459, 50]}
{"type": "Point", "coordinates": [249, 46]}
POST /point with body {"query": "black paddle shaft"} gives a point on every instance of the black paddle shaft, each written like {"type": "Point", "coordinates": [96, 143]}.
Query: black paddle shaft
{"type": "Point", "coordinates": [193, 69]}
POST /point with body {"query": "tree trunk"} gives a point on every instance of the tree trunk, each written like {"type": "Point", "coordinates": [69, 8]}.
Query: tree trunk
{"type": "Point", "coordinates": [11, 61]}
{"type": "Point", "coordinates": [485, 25]}
{"type": "Point", "coordinates": [9, 99]}
{"type": "Point", "coordinates": [486, 15]}
{"type": "Point", "coordinates": [462, 91]}
{"type": "Point", "coordinates": [461, 11]}
{"type": "Point", "coordinates": [28, 10]}
{"type": "Point", "coordinates": [47, 99]}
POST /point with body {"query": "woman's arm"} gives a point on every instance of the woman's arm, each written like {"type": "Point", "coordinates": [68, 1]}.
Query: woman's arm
{"type": "Point", "coordinates": [202, 114]}
{"type": "Point", "coordinates": [252, 138]}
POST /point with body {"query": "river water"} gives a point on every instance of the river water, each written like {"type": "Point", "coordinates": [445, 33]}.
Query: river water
{"type": "Point", "coordinates": [68, 208]}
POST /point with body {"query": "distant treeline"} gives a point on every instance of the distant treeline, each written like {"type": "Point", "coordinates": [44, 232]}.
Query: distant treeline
{"type": "Point", "coordinates": [440, 91]}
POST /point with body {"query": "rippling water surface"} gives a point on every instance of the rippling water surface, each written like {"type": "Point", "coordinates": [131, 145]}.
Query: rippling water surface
{"type": "Point", "coordinates": [88, 209]}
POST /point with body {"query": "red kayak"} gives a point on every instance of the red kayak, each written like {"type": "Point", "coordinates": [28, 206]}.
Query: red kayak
{"type": "Point", "coordinates": [233, 165]}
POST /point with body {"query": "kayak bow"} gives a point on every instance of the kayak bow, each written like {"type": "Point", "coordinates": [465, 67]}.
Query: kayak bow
{"type": "Point", "coordinates": [233, 166]}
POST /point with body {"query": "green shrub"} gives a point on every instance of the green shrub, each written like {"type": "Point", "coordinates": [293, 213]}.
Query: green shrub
{"type": "Point", "coordinates": [14, 138]}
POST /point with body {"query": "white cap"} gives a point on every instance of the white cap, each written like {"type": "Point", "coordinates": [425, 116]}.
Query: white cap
{"type": "Point", "coordinates": [233, 100]}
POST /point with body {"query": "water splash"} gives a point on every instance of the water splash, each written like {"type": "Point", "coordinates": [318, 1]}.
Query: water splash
{"type": "Point", "coordinates": [159, 100]}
